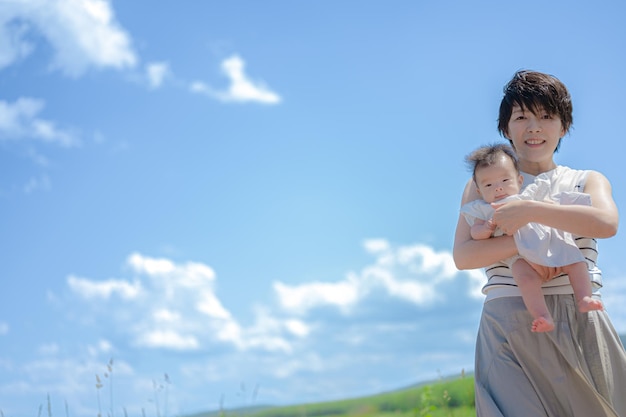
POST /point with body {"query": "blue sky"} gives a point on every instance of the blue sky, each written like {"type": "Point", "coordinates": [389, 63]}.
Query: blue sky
{"type": "Point", "coordinates": [258, 199]}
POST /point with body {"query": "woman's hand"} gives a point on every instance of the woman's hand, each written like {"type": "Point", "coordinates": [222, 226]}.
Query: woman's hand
{"type": "Point", "coordinates": [510, 216]}
{"type": "Point", "coordinates": [598, 221]}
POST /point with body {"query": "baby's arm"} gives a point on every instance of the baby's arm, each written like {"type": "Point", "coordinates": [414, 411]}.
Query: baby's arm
{"type": "Point", "coordinates": [469, 253]}
{"type": "Point", "coordinates": [482, 229]}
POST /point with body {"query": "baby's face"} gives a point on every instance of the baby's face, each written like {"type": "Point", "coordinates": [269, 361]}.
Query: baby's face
{"type": "Point", "coordinates": [499, 180]}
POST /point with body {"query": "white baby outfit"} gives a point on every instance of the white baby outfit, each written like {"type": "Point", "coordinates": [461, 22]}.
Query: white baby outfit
{"type": "Point", "coordinates": [535, 242]}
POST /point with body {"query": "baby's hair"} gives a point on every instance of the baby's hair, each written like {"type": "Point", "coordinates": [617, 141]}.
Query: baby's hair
{"type": "Point", "coordinates": [486, 156]}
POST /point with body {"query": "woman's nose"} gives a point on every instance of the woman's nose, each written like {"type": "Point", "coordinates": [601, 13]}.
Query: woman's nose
{"type": "Point", "coordinates": [533, 125]}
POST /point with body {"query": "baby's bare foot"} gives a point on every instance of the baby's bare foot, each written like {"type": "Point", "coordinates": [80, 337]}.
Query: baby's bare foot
{"type": "Point", "coordinates": [542, 324]}
{"type": "Point", "coordinates": [587, 304]}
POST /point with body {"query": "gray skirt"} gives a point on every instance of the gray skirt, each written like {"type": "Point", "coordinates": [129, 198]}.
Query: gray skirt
{"type": "Point", "coordinates": [577, 370]}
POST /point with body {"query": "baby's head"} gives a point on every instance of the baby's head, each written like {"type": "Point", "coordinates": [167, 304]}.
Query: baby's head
{"type": "Point", "coordinates": [495, 170]}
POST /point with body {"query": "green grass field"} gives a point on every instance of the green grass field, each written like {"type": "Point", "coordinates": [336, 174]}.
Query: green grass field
{"type": "Point", "coordinates": [453, 397]}
{"type": "Point", "coordinates": [447, 397]}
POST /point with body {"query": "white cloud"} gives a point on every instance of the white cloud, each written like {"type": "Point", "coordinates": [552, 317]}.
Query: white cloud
{"type": "Point", "coordinates": [166, 316]}
{"type": "Point", "coordinates": [167, 339]}
{"type": "Point", "coordinates": [20, 120]}
{"type": "Point", "coordinates": [376, 245]}
{"type": "Point", "coordinates": [297, 327]}
{"type": "Point", "coordinates": [390, 306]}
{"type": "Point", "coordinates": [82, 33]}
{"type": "Point", "coordinates": [102, 346]}
{"type": "Point", "coordinates": [210, 305]}
{"type": "Point", "coordinates": [186, 313]}
{"type": "Point", "coordinates": [241, 89]}
{"type": "Point", "coordinates": [174, 306]}
{"type": "Point", "coordinates": [90, 289]}
{"type": "Point", "coordinates": [156, 73]}
{"type": "Point", "coordinates": [412, 273]}
{"type": "Point", "coordinates": [301, 298]}
{"type": "Point", "coordinates": [150, 266]}
{"type": "Point", "coordinates": [4, 328]}
{"type": "Point", "coordinates": [189, 275]}
{"type": "Point", "coordinates": [13, 47]}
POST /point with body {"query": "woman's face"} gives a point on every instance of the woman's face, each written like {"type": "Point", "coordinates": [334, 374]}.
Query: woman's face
{"type": "Point", "coordinates": [534, 137]}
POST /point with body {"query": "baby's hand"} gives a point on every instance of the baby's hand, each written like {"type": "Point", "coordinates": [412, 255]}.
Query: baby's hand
{"type": "Point", "coordinates": [482, 229]}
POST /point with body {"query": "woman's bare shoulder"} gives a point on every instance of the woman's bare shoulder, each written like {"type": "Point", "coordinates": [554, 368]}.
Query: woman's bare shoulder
{"type": "Point", "coordinates": [470, 193]}
{"type": "Point", "coordinates": [595, 180]}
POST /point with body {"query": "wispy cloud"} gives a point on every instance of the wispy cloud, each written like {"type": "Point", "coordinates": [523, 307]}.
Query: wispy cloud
{"type": "Point", "coordinates": [38, 183]}
{"type": "Point", "coordinates": [104, 289]}
{"type": "Point", "coordinates": [156, 72]}
{"type": "Point", "coordinates": [82, 33]}
{"type": "Point", "coordinates": [20, 120]}
{"type": "Point", "coordinates": [241, 89]}
{"type": "Point", "coordinates": [13, 43]}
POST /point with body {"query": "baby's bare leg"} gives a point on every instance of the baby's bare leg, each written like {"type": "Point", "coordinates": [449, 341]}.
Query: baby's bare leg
{"type": "Point", "coordinates": [529, 283]}
{"type": "Point", "coordinates": [579, 278]}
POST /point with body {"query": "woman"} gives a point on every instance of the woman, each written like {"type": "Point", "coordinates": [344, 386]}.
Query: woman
{"type": "Point", "coordinates": [579, 369]}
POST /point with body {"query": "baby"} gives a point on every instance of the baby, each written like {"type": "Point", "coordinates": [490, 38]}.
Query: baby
{"type": "Point", "coordinates": [544, 252]}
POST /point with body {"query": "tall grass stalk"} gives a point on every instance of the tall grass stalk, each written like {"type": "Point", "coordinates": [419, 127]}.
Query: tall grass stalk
{"type": "Point", "coordinates": [98, 387]}
{"type": "Point", "coordinates": [110, 376]}
{"type": "Point", "coordinates": [156, 397]}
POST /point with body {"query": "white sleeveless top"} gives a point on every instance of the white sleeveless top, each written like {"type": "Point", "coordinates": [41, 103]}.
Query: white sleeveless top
{"type": "Point", "coordinates": [500, 282]}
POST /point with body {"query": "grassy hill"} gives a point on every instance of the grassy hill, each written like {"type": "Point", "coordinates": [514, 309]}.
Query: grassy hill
{"type": "Point", "coordinates": [450, 397]}
{"type": "Point", "coordinates": [447, 397]}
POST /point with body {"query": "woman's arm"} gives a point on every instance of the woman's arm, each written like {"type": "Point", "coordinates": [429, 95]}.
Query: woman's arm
{"type": "Point", "coordinates": [600, 220]}
{"type": "Point", "coordinates": [472, 254]}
